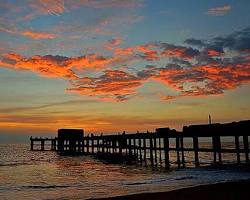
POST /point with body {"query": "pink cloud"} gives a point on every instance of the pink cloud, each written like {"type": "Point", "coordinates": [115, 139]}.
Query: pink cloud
{"type": "Point", "coordinates": [219, 11]}
{"type": "Point", "coordinates": [36, 35]}
{"type": "Point", "coordinates": [113, 84]}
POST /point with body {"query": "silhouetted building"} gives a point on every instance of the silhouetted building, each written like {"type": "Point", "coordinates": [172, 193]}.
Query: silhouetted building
{"type": "Point", "coordinates": [164, 131]}
{"type": "Point", "coordinates": [68, 139]}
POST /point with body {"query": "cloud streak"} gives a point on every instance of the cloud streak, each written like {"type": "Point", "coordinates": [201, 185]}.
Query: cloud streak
{"type": "Point", "coordinates": [219, 11]}
{"type": "Point", "coordinates": [30, 34]}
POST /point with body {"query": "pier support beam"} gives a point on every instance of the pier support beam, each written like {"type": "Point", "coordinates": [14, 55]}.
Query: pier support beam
{"type": "Point", "coordinates": [166, 152]}
{"type": "Point", "coordinates": [246, 148]}
{"type": "Point", "coordinates": [151, 151]}
{"type": "Point", "coordinates": [182, 152]}
{"type": "Point", "coordinates": [31, 145]}
{"type": "Point", "coordinates": [178, 151]}
{"type": "Point", "coordinates": [196, 151]}
{"type": "Point", "coordinates": [42, 145]}
{"type": "Point", "coordinates": [140, 151]}
{"type": "Point", "coordinates": [155, 150]}
{"type": "Point", "coordinates": [217, 149]}
{"type": "Point", "coordinates": [145, 150]}
{"type": "Point", "coordinates": [237, 147]}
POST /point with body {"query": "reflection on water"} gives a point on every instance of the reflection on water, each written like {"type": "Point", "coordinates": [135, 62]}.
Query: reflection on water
{"type": "Point", "coordinates": [45, 175]}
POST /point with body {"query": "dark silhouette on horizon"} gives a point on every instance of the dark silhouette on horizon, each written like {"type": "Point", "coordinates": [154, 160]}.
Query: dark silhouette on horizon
{"type": "Point", "coordinates": [152, 148]}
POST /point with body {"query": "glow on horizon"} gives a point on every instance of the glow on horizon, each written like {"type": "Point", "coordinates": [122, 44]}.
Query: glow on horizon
{"type": "Point", "coordinates": [109, 66]}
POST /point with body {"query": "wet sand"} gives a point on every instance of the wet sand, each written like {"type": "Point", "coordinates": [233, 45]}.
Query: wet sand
{"type": "Point", "coordinates": [239, 190]}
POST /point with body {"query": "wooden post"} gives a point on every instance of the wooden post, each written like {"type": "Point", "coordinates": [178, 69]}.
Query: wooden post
{"type": "Point", "coordinates": [214, 149]}
{"type": "Point", "coordinates": [246, 147]}
{"type": "Point", "coordinates": [196, 149]}
{"type": "Point", "coordinates": [31, 144]}
{"type": "Point", "coordinates": [97, 145]}
{"type": "Point", "coordinates": [116, 146]}
{"type": "Point", "coordinates": [42, 145]}
{"type": "Point", "coordinates": [107, 146]}
{"type": "Point", "coordinates": [51, 144]}
{"type": "Point", "coordinates": [79, 146]}
{"type": "Point", "coordinates": [129, 148]}
{"type": "Point", "coordinates": [145, 150]}
{"type": "Point", "coordinates": [126, 148]}
{"type": "Point", "coordinates": [178, 151]}
{"type": "Point", "coordinates": [160, 149]}
{"type": "Point", "coordinates": [166, 152]}
{"type": "Point", "coordinates": [87, 145]}
{"type": "Point", "coordinates": [182, 152]}
{"type": "Point", "coordinates": [54, 143]}
{"type": "Point", "coordinates": [120, 144]}
{"type": "Point", "coordinates": [137, 148]}
{"type": "Point", "coordinates": [112, 149]}
{"type": "Point", "coordinates": [140, 152]}
{"type": "Point", "coordinates": [103, 149]}
{"type": "Point", "coordinates": [134, 141]}
{"type": "Point", "coordinates": [155, 148]}
{"type": "Point", "coordinates": [83, 145]}
{"type": "Point", "coordinates": [151, 151]}
{"type": "Point", "coordinates": [93, 145]}
{"type": "Point", "coordinates": [237, 147]}
{"type": "Point", "coordinates": [219, 149]}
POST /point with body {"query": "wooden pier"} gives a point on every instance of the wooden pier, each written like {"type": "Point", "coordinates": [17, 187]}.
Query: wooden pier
{"type": "Point", "coordinates": [43, 144]}
{"type": "Point", "coordinates": [157, 148]}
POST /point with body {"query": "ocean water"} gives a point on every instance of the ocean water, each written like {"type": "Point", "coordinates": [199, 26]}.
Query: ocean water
{"type": "Point", "coordinates": [29, 175]}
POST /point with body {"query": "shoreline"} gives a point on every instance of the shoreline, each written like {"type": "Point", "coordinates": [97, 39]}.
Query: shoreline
{"type": "Point", "coordinates": [231, 190]}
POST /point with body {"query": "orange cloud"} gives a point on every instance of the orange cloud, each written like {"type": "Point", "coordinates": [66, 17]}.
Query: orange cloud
{"type": "Point", "coordinates": [88, 61]}
{"type": "Point", "coordinates": [219, 11]}
{"type": "Point", "coordinates": [113, 43]}
{"type": "Point", "coordinates": [105, 3]}
{"type": "Point", "coordinates": [113, 84]}
{"type": "Point", "coordinates": [38, 35]}
{"type": "Point", "coordinates": [179, 51]}
{"type": "Point", "coordinates": [124, 51]}
{"type": "Point", "coordinates": [44, 65]}
{"type": "Point", "coordinates": [29, 33]}
{"type": "Point", "coordinates": [212, 52]}
{"type": "Point", "coordinates": [211, 79]}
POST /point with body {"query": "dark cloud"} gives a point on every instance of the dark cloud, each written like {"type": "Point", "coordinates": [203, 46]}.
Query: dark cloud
{"type": "Point", "coordinates": [238, 41]}
{"type": "Point", "coordinates": [195, 42]}
{"type": "Point", "coordinates": [183, 52]}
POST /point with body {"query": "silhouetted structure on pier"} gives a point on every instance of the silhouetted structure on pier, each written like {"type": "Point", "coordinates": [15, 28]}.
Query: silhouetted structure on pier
{"type": "Point", "coordinates": [69, 139]}
{"type": "Point", "coordinates": [154, 148]}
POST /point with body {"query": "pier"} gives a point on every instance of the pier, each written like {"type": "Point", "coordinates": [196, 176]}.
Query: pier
{"type": "Point", "coordinates": [43, 144]}
{"type": "Point", "coordinates": [155, 149]}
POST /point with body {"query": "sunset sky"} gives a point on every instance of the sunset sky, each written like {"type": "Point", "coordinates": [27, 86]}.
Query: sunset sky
{"type": "Point", "coordinates": [114, 65]}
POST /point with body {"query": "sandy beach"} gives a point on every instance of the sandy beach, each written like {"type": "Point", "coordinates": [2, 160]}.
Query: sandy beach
{"type": "Point", "coordinates": [238, 190]}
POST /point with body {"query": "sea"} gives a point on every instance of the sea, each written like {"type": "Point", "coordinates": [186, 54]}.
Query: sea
{"type": "Point", "coordinates": [26, 174]}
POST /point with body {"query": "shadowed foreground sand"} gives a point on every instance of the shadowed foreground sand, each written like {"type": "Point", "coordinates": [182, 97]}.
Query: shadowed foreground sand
{"type": "Point", "coordinates": [220, 191]}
